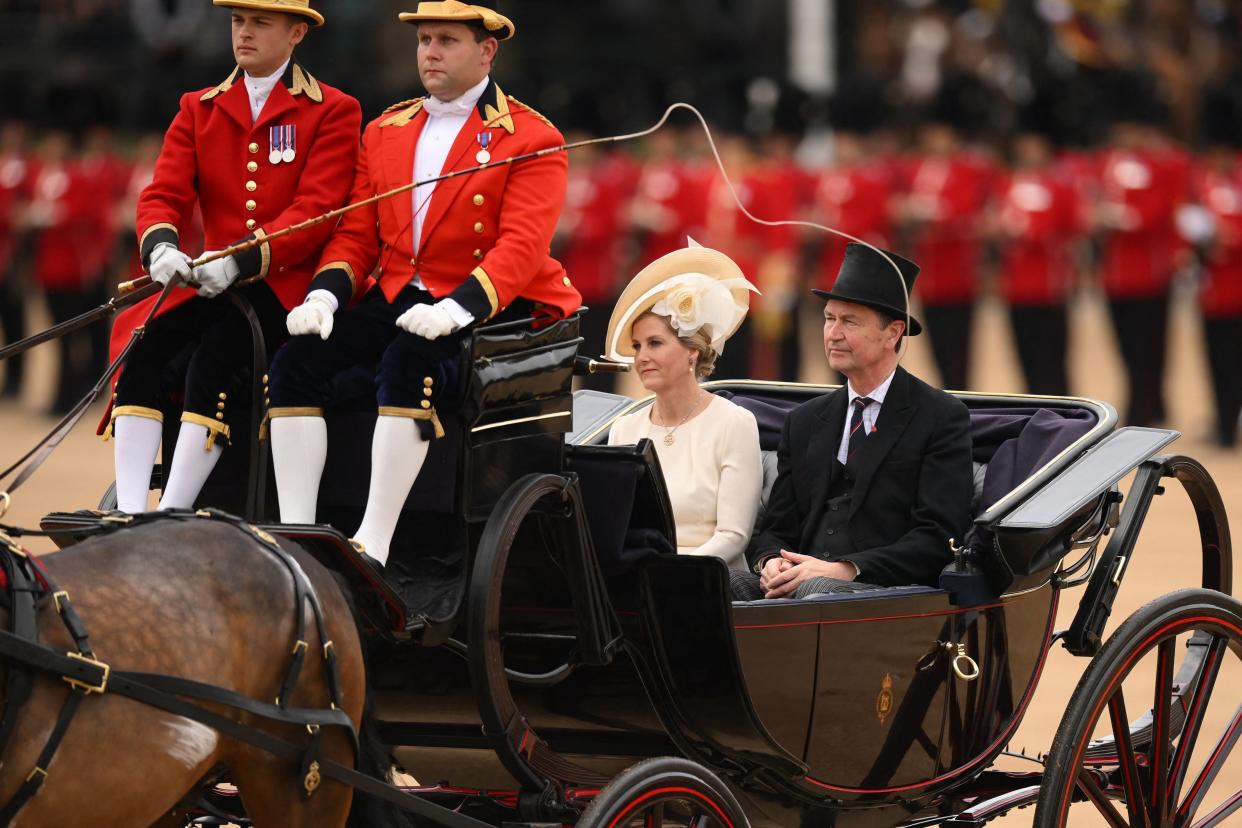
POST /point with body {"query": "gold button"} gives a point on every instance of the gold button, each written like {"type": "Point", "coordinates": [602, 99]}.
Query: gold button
{"type": "Point", "coordinates": [478, 254]}
{"type": "Point", "coordinates": [267, 401]}
{"type": "Point", "coordinates": [414, 262]}
{"type": "Point", "coordinates": [428, 382]}
{"type": "Point", "coordinates": [251, 224]}
{"type": "Point", "coordinates": [566, 281]}
{"type": "Point", "coordinates": [223, 396]}
{"type": "Point", "coordinates": [427, 392]}
{"type": "Point", "coordinates": [254, 149]}
{"type": "Point", "coordinates": [425, 404]}
{"type": "Point", "coordinates": [251, 205]}
{"type": "Point", "coordinates": [220, 406]}
{"type": "Point", "coordinates": [253, 166]}
{"type": "Point", "coordinates": [478, 227]}
{"type": "Point", "coordinates": [478, 199]}
{"type": "Point", "coordinates": [266, 379]}
{"type": "Point", "coordinates": [219, 416]}
{"type": "Point", "coordinates": [251, 186]}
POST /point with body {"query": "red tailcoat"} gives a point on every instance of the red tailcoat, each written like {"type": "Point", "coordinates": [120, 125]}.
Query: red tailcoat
{"type": "Point", "coordinates": [1040, 216]}
{"type": "Point", "coordinates": [948, 245]}
{"type": "Point", "coordinates": [1138, 259]}
{"type": "Point", "coordinates": [214, 156]}
{"type": "Point", "coordinates": [852, 199]}
{"type": "Point", "coordinates": [1220, 192]}
{"type": "Point", "coordinates": [486, 235]}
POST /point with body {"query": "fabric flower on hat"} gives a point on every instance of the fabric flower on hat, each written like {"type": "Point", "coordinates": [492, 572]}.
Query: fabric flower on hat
{"type": "Point", "coordinates": [694, 301]}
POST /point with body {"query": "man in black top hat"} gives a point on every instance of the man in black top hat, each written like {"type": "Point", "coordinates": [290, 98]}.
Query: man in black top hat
{"type": "Point", "coordinates": [874, 478]}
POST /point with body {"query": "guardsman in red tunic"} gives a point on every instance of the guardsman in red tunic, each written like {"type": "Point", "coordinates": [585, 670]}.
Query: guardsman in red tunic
{"type": "Point", "coordinates": [441, 258]}
{"type": "Point", "coordinates": [269, 147]}
{"type": "Point", "coordinates": [1037, 219]}
{"type": "Point", "coordinates": [942, 206]}
{"type": "Point", "coordinates": [1134, 216]}
{"type": "Point", "coordinates": [1217, 189]}
{"type": "Point", "coordinates": [60, 215]}
{"type": "Point", "coordinates": [14, 185]}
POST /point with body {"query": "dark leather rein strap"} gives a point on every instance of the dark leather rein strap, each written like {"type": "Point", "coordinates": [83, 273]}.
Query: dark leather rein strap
{"type": "Point", "coordinates": [33, 459]}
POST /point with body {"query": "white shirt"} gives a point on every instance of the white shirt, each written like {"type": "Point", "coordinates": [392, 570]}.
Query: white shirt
{"type": "Point", "coordinates": [432, 151]}
{"type": "Point", "coordinates": [870, 414]}
{"type": "Point", "coordinates": [260, 89]}
{"type": "Point", "coordinates": [714, 475]}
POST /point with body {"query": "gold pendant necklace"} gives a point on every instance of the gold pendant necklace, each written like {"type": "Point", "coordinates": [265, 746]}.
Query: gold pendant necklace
{"type": "Point", "coordinates": [669, 432]}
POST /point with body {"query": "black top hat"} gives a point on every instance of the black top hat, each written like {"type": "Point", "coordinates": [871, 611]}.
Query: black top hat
{"type": "Point", "coordinates": [866, 278]}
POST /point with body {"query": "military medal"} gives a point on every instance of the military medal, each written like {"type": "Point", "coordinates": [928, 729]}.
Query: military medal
{"type": "Point", "coordinates": [290, 144]}
{"type": "Point", "coordinates": [483, 156]}
{"type": "Point", "coordinates": [273, 140]}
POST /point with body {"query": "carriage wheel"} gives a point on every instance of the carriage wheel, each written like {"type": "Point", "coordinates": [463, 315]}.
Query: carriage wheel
{"type": "Point", "coordinates": [664, 790]}
{"type": "Point", "coordinates": [1104, 769]}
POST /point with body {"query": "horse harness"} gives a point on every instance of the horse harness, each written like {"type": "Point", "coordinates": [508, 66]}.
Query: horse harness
{"type": "Point", "coordinates": [29, 587]}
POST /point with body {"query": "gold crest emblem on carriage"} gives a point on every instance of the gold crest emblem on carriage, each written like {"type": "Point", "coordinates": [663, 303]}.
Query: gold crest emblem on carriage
{"type": "Point", "coordinates": [884, 702]}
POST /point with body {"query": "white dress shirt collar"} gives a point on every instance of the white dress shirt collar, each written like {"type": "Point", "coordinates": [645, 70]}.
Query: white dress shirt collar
{"type": "Point", "coordinates": [877, 394]}
{"type": "Point", "coordinates": [461, 105]}
{"type": "Point", "coordinates": [260, 89]}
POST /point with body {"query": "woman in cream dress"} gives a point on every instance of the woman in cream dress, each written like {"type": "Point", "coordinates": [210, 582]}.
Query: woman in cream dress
{"type": "Point", "coordinates": [671, 322]}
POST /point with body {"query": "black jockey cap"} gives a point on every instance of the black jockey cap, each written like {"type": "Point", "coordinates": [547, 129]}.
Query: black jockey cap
{"type": "Point", "coordinates": [866, 278]}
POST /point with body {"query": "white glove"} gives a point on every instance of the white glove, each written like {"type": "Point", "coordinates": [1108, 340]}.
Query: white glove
{"type": "Point", "coordinates": [314, 316]}
{"type": "Point", "coordinates": [214, 277]}
{"type": "Point", "coordinates": [428, 321]}
{"type": "Point", "coordinates": [169, 263]}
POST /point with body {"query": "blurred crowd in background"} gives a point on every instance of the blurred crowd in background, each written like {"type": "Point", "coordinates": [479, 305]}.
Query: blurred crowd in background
{"type": "Point", "coordinates": [1032, 151]}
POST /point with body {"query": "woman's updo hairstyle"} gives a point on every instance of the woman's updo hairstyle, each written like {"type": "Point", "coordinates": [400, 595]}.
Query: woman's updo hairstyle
{"type": "Point", "coordinates": [699, 342]}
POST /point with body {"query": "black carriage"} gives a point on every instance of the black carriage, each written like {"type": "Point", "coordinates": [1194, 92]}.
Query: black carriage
{"type": "Point", "coordinates": [543, 656]}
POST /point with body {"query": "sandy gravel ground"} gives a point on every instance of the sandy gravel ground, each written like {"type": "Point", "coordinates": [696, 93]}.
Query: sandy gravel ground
{"type": "Point", "coordinates": [1167, 556]}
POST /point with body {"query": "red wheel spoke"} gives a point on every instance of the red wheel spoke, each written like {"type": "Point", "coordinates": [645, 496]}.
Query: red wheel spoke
{"type": "Point", "coordinates": [1092, 791]}
{"type": "Point", "coordinates": [1226, 809]}
{"type": "Point", "coordinates": [1161, 708]}
{"type": "Point", "coordinates": [655, 816]}
{"type": "Point", "coordinates": [1211, 768]}
{"type": "Point", "coordinates": [1136, 800]}
{"type": "Point", "coordinates": [1195, 711]}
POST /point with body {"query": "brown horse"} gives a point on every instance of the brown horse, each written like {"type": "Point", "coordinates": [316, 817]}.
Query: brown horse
{"type": "Point", "coordinates": [201, 600]}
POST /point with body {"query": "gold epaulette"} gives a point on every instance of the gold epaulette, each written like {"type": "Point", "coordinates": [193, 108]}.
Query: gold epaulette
{"type": "Point", "coordinates": [405, 112]}
{"type": "Point", "coordinates": [532, 111]}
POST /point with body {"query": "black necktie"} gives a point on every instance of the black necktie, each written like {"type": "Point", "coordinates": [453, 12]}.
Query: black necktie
{"type": "Point", "coordinates": [858, 432]}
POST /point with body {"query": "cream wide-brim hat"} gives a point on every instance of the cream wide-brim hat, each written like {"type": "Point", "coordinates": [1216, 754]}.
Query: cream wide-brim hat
{"type": "Point", "coordinates": [453, 11]}
{"type": "Point", "coordinates": [299, 7]}
{"type": "Point", "coordinates": [654, 282]}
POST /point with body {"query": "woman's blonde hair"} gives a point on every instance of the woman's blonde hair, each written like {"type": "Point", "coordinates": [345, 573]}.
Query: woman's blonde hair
{"type": "Point", "coordinates": [699, 342]}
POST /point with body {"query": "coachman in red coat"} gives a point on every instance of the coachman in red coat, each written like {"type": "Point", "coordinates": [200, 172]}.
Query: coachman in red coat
{"type": "Point", "coordinates": [267, 148]}
{"type": "Point", "coordinates": [422, 267]}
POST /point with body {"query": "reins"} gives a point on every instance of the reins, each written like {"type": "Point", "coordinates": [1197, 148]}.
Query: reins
{"type": "Point", "coordinates": [30, 587]}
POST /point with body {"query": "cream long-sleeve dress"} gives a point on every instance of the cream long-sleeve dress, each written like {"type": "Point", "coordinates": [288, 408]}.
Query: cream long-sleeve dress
{"type": "Point", "coordinates": [714, 476]}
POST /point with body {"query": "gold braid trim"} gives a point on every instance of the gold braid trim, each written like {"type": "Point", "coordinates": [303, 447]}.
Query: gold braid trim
{"type": "Point", "coordinates": [349, 271]}
{"type": "Point", "coordinates": [532, 111]}
{"type": "Point", "coordinates": [265, 259]}
{"type": "Point", "coordinates": [215, 428]}
{"type": "Point", "coordinates": [408, 109]}
{"type": "Point", "coordinates": [291, 411]}
{"type": "Point", "coordinates": [414, 414]}
{"type": "Point", "coordinates": [223, 87]}
{"type": "Point", "coordinates": [490, 289]}
{"type": "Point", "coordinates": [304, 83]}
{"type": "Point", "coordinates": [498, 114]}
{"type": "Point", "coordinates": [131, 411]}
